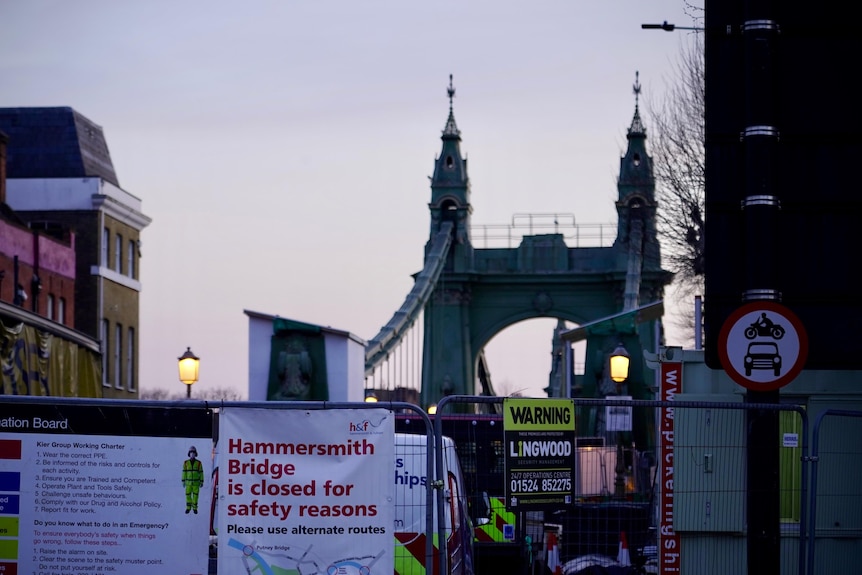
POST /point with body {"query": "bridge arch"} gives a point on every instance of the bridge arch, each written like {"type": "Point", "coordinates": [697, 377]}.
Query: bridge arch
{"type": "Point", "coordinates": [482, 339]}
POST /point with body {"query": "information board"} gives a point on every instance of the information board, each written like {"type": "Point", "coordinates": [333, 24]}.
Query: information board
{"type": "Point", "coordinates": [99, 489]}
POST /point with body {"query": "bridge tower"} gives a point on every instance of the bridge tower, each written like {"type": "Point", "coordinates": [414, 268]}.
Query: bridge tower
{"type": "Point", "coordinates": [638, 252]}
{"type": "Point", "coordinates": [636, 205]}
{"type": "Point", "coordinates": [480, 292]}
{"type": "Point", "coordinates": [450, 194]}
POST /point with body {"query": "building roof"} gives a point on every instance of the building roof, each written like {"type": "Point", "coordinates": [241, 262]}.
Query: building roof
{"type": "Point", "coordinates": [55, 143]}
{"type": "Point", "coordinates": [285, 323]}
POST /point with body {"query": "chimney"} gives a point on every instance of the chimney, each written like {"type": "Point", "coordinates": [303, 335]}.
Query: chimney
{"type": "Point", "coordinates": [4, 139]}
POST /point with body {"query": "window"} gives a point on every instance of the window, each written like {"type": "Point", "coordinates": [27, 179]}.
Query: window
{"type": "Point", "coordinates": [118, 356]}
{"type": "Point", "coordinates": [131, 259]}
{"type": "Point", "coordinates": [130, 360]}
{"type": "Point", "coordinates": [105, 349]}
{"type": "Point", "coordinates": [454, 502]}
{"type": "Point", "coordinates": [49, 312]}
{"type": "Point", "coordinates": [106, 237]}
{"type": "Point", "coordinates": [61, 311]}
{"type": "Point", "coordinates": [118, 254]}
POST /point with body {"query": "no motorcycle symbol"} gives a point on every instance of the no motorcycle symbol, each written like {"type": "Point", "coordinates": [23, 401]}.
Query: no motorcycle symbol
{"type": "Point", "coordinates": [763, 326]}
{"type": "Point", "coordinates": [763, 346]}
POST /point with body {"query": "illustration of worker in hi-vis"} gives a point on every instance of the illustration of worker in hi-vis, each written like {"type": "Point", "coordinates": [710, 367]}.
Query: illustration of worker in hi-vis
{"type": "Point", "coordinates": [193, 479]}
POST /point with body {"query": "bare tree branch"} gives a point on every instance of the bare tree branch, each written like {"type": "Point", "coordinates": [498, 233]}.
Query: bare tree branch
{"type": "Point", "coordinates": [207, 393]}
{"type": "Point", "coordinates": [679, 164]}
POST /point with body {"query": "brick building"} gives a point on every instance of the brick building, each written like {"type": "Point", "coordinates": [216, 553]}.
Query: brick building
{"type": "Point", "coordinates": [60, 179]}
{"type": "Point", "coordinates": [37, 267]}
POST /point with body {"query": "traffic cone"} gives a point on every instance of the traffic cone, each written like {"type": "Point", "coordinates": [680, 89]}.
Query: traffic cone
{"type": "Point", "coordinates": [623, 557]}
{"type": "Point", "coordinates": [553, 555]}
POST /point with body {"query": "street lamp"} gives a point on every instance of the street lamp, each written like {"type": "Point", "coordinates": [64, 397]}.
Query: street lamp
{"type": "Point", "coordinates": [619, 368]}
{"type": "Point", "coordinates": [619, 363]}
{"type": "Point", "coordinates": [189, 364]}
{"type": "Point", "coordinates": [667, 27]}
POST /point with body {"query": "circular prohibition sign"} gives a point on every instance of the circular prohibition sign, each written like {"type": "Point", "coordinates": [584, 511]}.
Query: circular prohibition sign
{"type": "Point", "coordinates": [762, 346]}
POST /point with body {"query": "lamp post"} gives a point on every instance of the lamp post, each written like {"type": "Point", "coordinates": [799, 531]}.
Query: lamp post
{"type": "Point", "coordinates": [668, 27]}
{"type": "Point", "coordinates": [619, 368]}
{"type": "Point", "coordinates": [188, 365]}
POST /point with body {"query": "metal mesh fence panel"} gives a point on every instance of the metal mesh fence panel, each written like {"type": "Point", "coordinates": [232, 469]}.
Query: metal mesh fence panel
{"type": "Point", "coordinates": [650, 496]}
{"type": "Point", "coordinates": [836, 504]}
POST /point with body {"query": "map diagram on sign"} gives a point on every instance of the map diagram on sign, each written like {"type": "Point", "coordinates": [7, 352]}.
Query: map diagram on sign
{"type": "Point", "coordinates": [283, 559]}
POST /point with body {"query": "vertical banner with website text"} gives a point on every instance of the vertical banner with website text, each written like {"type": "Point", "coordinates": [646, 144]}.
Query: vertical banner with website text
{"type": "Point", "coordinates": [668, 553]}
{"type": "Point", "coordinates": [306, 491]}
{"type": "Point", "coordinates": [540, 452]}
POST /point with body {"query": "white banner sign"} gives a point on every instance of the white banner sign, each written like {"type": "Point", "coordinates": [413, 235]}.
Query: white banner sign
{"type": "Point", "coordinates": [307, 491]}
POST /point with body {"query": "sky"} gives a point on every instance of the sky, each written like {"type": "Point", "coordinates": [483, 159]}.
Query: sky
{"type": "Point", "coordinates": [283, 148]}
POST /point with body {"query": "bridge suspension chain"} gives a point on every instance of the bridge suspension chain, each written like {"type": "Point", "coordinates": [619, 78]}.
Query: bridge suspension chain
{"type": "Point", "coordinates": [390, 335]}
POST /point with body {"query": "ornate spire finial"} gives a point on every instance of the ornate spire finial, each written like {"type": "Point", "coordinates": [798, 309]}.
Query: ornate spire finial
{"type": "Point", "coordinates": [451, 129]}
{"type": "Point", "coordinates": [451, 92]}
{"type": "Point", "coordinates": [637, 126]}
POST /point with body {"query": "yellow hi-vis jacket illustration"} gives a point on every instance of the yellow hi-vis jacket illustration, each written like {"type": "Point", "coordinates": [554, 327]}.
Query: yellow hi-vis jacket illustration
{"type": "Point", "coordinates": [193, 479]}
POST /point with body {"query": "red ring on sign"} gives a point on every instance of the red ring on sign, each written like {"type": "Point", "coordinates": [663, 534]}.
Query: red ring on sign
{"type": "Point", "coordinates": [740, 378]}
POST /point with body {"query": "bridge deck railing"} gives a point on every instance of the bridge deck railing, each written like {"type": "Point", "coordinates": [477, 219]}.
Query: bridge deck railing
{"type": "Point", "coordinates": [575, 235]}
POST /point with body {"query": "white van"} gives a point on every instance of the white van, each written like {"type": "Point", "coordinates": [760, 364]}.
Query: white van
{"type": "Point", "coordinates": [411, 492]}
